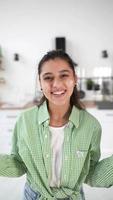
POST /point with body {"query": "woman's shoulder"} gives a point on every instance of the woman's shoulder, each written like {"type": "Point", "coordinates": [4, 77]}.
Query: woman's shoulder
{"type": "Point", "coordinates": [89, 118]}
{"type": "Point", "coordinates": [28, 113]}
{"type": "Point", "coordinates": [30, 110]}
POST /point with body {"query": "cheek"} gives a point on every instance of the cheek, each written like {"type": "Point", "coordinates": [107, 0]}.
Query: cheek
{"type": "Point", "coordinates": [70, 84]}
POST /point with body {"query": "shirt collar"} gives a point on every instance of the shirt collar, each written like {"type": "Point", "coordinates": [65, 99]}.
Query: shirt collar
{"type": "Point", "coordinates": [74, 116]}
{"type": "Point", "coordinates": [43, 114]}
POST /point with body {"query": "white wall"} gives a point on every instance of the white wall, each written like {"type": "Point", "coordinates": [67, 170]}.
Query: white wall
{"type": "Point", "coordinates": [30, 27]}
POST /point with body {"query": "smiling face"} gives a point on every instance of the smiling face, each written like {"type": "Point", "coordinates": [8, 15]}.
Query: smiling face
{"type": "Point", "coordinates": [57, 81]}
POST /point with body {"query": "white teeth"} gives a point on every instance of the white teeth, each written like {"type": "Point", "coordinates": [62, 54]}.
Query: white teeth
{"type": "Point", "coordinates": [58, 92]}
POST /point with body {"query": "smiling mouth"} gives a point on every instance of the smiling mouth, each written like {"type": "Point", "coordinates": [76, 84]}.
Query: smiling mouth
{"type": "Point", "coordinates": [59, 93]}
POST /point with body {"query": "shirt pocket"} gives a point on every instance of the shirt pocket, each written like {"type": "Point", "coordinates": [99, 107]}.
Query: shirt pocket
{"type": "Point", "coordinates": [82, 159]}
{"type": "Point", "coordinates": [81, 153]}
{"type": "Point", "coordinates": [78, 167]}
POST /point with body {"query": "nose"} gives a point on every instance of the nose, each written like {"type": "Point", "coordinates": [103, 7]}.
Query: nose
{"type": "Point", "coordinates": [57, 82]}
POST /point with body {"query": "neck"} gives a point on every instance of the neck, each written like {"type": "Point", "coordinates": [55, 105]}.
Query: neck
{"type": "Point", "coordinates": [59, 115]}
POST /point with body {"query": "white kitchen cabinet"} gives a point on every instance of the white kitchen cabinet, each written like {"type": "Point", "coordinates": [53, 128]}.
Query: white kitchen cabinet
{"type": "Point", "coordinates": [7, 122]}
{"type": "Point", "coordinates": [105, 117]}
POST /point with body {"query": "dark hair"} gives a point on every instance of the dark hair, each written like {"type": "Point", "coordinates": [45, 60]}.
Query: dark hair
{"type": "Point", "coordinates": [51, 55]}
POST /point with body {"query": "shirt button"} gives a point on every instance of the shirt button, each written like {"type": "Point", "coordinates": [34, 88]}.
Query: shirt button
{"type": "Point", "coordinates": [67, 125]}
{"type": "Point", "coordinates": [47, 155]}
{"type": "Point", "coordinates": [46, 122]}
{"type": "Point", "coordinates": [66, 157]}
{"type": "Point", "coordinates": [46, 136]}
{"type": "Point", "coordinates": [67, 139]}
{"type": "Point", "coordinates": [64, 175]}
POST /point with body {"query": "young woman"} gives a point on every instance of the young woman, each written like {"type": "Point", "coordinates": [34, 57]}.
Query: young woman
{"type": "Point", "coordinates": [57, 142]}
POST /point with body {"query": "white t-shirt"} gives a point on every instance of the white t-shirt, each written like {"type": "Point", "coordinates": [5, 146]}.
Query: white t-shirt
{"type": "Point", "coordinates": [57, 139]}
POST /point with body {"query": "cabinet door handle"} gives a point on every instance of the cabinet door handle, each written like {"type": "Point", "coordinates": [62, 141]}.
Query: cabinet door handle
{"type": "Point", "coordinates": [11, 116]}
{"type": "Point", "coordinates": [10, 130]}
{"type": "Point", "coordinates": [109, 114]}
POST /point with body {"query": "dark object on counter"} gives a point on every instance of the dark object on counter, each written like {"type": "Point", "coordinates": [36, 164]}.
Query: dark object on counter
{"type": "Point", "coordinates": [106, 87]}
{"type": "Point", "coordinates": [96, 87]}
{"type": "Point", "coordinates": [89, 84]}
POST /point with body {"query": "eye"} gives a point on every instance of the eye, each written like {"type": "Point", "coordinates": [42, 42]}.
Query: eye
{"type": "Point", "coordinates": [64, 75]}
{"type": "Point", "coordinates": [48, 78]}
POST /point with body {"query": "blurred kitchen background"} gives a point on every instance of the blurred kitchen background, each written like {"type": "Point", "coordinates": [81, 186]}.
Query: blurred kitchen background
{"type": "Point", "coordinates": [28, 29]}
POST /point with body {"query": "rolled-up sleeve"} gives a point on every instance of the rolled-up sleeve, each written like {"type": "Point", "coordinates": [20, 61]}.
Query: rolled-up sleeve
{"type": "Point", "coordinates": [12, 165]}
{"type": "Point", "coordinates": [101, 172]}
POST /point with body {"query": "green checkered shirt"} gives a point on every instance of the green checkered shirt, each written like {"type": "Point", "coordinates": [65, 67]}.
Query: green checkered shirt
{"type": "Point", "coordinates": [31, 154]}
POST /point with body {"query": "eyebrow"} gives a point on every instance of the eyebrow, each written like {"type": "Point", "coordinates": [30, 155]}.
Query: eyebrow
{"type": "Point", "coordinates": [65, 70]}
{"type": "Point", "coordinates": [62, 71]}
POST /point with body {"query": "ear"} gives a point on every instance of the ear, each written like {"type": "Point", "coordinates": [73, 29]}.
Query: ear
{"type": "Point", "coordinates": [76, 79]}
{"type": "Point", "coordinates": [40, 85]}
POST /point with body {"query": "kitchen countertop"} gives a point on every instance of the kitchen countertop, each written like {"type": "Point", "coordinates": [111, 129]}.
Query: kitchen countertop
{"type": "Point", "coordinates": [9, 106]}
{"type": "Point", "coordinates": [90, 104]}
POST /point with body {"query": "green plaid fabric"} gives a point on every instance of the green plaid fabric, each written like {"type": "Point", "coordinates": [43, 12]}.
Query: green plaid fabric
{"type": "Point", "coordinates": [31, 154]}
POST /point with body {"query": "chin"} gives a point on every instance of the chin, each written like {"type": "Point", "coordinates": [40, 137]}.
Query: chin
{"type": "Point", "coordinates": [60, 102]}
